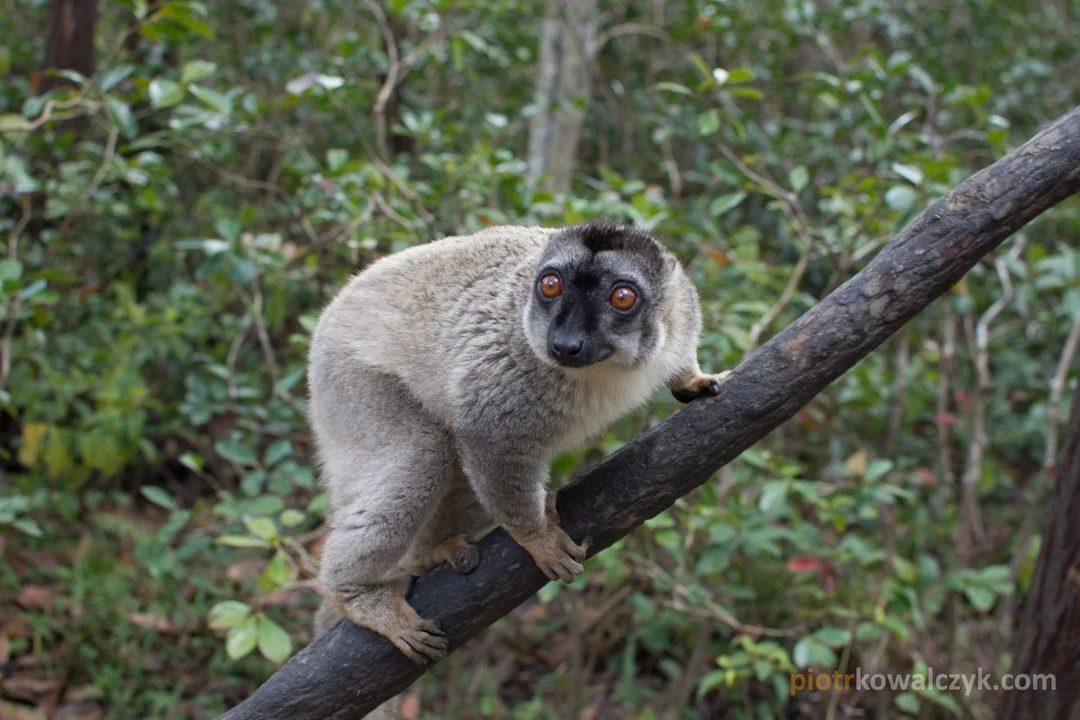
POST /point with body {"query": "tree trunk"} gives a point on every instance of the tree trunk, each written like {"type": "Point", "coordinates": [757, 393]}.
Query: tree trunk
{"type": "Point", "coordinates": [70, 45]}
{"type": "Point", "coordinates": [1048, 640]}
{"type": "Point", "coordinates": [567, 47]}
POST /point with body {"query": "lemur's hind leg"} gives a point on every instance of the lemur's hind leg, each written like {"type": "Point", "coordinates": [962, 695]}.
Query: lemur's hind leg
{"type": "Point", "coordinates": [386, 478]}
{"type": "Point", "coordinates": [694, 384]}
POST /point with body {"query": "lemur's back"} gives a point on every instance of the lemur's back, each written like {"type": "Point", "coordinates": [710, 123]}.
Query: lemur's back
{"type": "Point", "coordinates": [411, 306]}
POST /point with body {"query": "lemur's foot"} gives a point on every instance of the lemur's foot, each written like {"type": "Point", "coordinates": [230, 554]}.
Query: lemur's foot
{"type": "Point", "coordinates": [384, 610]}
{"type": "Point", "coordinates": [699, 386]}
{"type": "Point", "coordinates": [462, 554]}
{"type": "Point", "coordinates": [557, 556]}
{"type": "Point", "coordinates": [459, 551]}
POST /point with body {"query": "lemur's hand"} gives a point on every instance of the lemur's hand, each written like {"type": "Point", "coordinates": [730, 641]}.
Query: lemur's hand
{"type": "Point", "coordinates": [700, 386]}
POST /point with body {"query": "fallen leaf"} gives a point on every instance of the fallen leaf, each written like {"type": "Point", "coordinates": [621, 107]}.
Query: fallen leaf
{"type": "Point", "coordinates": [27, 686]}
{"type": "Point", "coordinates": [35, 597]}
{"type": "Point", "coordinates": [153, 622]}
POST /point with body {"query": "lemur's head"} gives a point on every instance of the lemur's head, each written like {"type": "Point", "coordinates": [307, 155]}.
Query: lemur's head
{"type": "Point", "coordinates": [597, 296]}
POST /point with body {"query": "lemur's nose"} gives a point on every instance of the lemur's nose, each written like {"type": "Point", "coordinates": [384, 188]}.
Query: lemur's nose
{"type": "Point", "coordinates": [566, 348]}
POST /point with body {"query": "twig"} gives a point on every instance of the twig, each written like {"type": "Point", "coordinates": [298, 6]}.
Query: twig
{"type": "Point", "coordinates": [230, 358]}
{"type": "Point", "coordinates": [683, 690]}
{"type": "Point", "coordinates": [103, 169]}
{"type": "Point", "coordinates": [255, 302]}
{"type": "Point", "coordinates": [387, 172]}
{"type": "Point", "coordinates": [230, 175]}
{"type": "Point", "coordinates": [615, 31]}
{"type": "Point", "coordinates": [392, 71]}
{"type": "Point", "coordinates": [785, 297]}
{"type": "Point", "coordinates": [789, 200]}
{"type": "Point", "coordinates": [88, 107]}
{"type": "Point", "coordinates": [972, 527]}
{"type": "Point", "coordinates": [706, 608]}
{"type": "Point", "coordinates": [16, 301]}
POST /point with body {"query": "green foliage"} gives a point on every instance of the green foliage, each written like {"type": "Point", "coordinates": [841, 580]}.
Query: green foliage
{"type": "Point", "coordinates": [175, 222]}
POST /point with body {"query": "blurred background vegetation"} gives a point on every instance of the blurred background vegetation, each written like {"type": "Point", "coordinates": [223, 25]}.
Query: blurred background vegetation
{"type": "Point", "coordinates": [190, 181]}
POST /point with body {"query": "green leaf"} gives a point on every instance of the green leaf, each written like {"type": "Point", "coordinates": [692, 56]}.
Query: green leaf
{"type": "Point", "coordinates": [196, 70]}
{"type": "Point", "coordinates": [901, 197]}
{"type": "Point", "coordinates": [833, 637]}
{"type": "Point", "coordinates": [265, 506]}
{"type": "Point", "coordinates": [746, 92]}
{"type": "Point", "coordinates": [666, 86]}
{"type": "Point", "coordinates": [714, 679]}
{"type": "Point", "coordinates": [708, 122]}
{"type": "Point", "coordinates": [33, 289]}
{"type": "Point", "coordinates": [261, 527]}
{"type": "Point", "coordinates": [740, 75]}
{"type": "Point", "coordinates": [241, 269]}
{"type": "Point", "coordinates": [912, 174]}
{"type": "Point", "coordinates": [236, 452]}
{"type": "Point", "coordinates": [799, 177]}
{"type": "Point", "coordinates": [192, 461]}
{"type": "Point", "coordinates": [336, 158]}
{"type": "Point", "coordinates": [292, 518]}
{"type": "Point", "coordinates": [877, 469]}
{"type": "Point", "coordinates": [808, 652]}
{"type": "Point", "coordinates": [10, 270]}
{"type": "Point", "coordinates": [278, 451]}
{"type": "Point", "coordinates": [159, 496]}
{"type": "Point", "coordinates": [242, 541]}
{"type": "Point", "coordinates": [982, 598]}
{"type": "Point", "coordinates": [274, 642]}
{"type": "Point", "coordinates": [221, 103]}
{"type": "Point", "coordinates": [279, 572]}
{"type": "Point", "coordinates": [114, 76]}
{"type": "Point", "coordinates": [120, 114]}
{"type": "Point", "coordinates": [227, 613]}
{"type": "Point", "coordinates": [28, 526]}
{"type": "Point", "coordinates": [726, 203]}
{"type": "Point", "coordinates": [165, 93]}
{"type": "Point", "coordinates": [242, 638]}
{"type": "Point", "coordinates": [907, 702]}
{"type": "Point", "coordinates": [773, 495]}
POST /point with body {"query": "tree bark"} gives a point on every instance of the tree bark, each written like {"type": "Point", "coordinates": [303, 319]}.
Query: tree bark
{"type": "Point", "coordinates": [348, 670]}
{"type": "Point", "coordinates": [70, 44]}
{"type": "Point", "coordinates": [567, 47]}
{"type": "Point", "coordinates": [1048, 640]}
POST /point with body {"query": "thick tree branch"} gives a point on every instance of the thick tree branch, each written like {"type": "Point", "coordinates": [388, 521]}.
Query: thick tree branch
{"type": "Point", "coordinates": [347, 671]}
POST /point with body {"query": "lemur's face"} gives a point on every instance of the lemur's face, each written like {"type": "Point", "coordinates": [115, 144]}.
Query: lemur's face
{"type": "Point", "coordinates": [596, 296]}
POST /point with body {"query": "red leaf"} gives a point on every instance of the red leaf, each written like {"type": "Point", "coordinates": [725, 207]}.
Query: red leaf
{"type": "Point", "coordinates": [803, 564]}
{"type": "Point", "coordinates": [946, 418]}
{"type": "Point", "coordinates": [925, 476]}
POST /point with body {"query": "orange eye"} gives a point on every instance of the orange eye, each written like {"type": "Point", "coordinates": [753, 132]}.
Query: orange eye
{"type": "Point", "coordinates": [623, 298]}
{"type": "Point", "coordinates": [550, 286]}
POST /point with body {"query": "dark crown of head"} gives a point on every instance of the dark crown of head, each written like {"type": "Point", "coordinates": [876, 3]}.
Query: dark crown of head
{"type": "Point", "coordinates": [599, 236]}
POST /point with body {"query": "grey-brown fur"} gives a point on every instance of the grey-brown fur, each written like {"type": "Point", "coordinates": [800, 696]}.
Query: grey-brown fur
{"type": "Point", "coordinates": [437, 405]}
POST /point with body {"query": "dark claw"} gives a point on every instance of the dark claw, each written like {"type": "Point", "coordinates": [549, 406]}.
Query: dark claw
{"type": "Point", "coordinates": [465, 560]}
{"type": "Point", "coordinates": [685, 396]}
